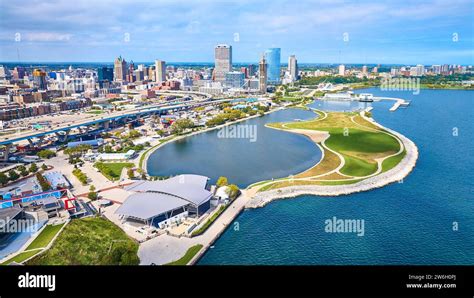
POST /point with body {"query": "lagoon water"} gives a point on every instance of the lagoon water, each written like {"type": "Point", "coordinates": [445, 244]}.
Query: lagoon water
{"type": "Point", "coordinates": [271, 154]}
{"type": "Point", "coordinates": [413, 222]}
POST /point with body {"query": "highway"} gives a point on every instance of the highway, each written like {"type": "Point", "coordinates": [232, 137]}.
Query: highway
{"type": "Point", "coordinates": [151, 109]}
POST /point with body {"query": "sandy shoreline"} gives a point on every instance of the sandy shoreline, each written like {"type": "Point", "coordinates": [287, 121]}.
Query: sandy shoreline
{"type": "Point", "coordinates": [396, 174]}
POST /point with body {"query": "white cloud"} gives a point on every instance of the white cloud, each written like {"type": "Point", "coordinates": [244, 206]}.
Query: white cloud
{"type": "Point", "coordinates": [47, 36]}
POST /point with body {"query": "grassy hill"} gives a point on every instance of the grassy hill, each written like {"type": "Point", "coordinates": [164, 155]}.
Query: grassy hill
{"type": "Point", "coordinates": [90, 241]}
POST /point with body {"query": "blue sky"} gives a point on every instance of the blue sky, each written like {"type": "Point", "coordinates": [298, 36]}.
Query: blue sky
{"type": "Point", "coordinates": [404, 32]}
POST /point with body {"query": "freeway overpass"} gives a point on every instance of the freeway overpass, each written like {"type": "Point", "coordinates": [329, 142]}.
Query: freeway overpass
{"type": "Point", "coordinates": [130, 115]}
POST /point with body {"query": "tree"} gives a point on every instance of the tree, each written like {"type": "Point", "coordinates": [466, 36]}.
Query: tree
{"type": "Point", "coordinates": [130, 173]}
{"type": "Point", "coordinates": [233, 191]}
{"type": "Point", "coordinates": [180, 125]}
{"type": "Point", "coordinates": [23, 171]}
{"type": "Point", "coordinates": [46, 154]}
{"type": "Point", "coordinates": [33, 168]}
{"type": "Point", "coordinates": [12, 175]}
{"type": "Point", "coordinates": [45, 186]}
{"type": "Point", "coordinates": [3, 179]}
{"type": "Point", "coordinates": [78, 150]}
{"type": "Point", "coordinates": [160, 132]}
{"type": "Point", "coordinates": [133, 134]}
{"type": "Point", "coordinates": [92, 195]}
{"type": "Point", "coordinates": [108, 149]}
{"type": "Point", "coordinates": [44, 167]}
{"type": "Point", "coordinates": [222, 181]}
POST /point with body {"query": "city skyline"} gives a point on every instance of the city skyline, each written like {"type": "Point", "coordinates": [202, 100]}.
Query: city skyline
{"type": "Point", "coordinates": [431, 32]}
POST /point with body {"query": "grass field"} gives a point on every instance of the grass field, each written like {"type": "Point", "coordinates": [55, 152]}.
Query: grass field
{"type": "Point", "coordinates": [184, 260]}
{"type": "Point", "coordinates": [45, 237]}
{"type": "Point", "coordinates": [95, 112]}
{"type": "Point", "coordinates": [90, 241]}
{"type": "Point", "coordinates": [359, 143]}
{"type": "Point", "coordinates": [22, 256]}
{"type": "Point", "coordinates": [112, 170]}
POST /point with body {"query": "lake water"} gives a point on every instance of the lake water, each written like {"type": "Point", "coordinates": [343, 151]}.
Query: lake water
{"type": "Point", "coordinates": [413, 222]}
{"type": "Point", "coordinates": [271, 154]}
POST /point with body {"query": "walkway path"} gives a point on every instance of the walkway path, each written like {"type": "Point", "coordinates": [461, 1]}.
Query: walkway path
{"type": "Point", "coordinates": [165, 248]}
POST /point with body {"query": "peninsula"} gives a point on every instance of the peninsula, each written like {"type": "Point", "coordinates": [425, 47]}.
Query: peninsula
{"type": "Point", "coordinates": [358, 154]}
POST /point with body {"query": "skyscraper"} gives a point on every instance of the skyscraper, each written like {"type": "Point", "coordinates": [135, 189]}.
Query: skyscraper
{"type": "Point", "coordinates": [251, 69]}
{"type": "Point", "coordinates": [262, 75]}
{"type": "Point", "coordinates": [160, 71]}
{"type": "Point", "coordinates": [293, 67]}
{"type": "Point", "coordinates": [223, 61]}
{"type": "Point", "coordinates": [120, 69]}
{"type": "Point", "coordinates": [273, 57]}
{"type": "Point", "coordinates": [342, 70]}
{"type": "Point", "coordinates": [104, 74]}
{"type": "Point", "coordinates": [234, 79]}
{"type": "Point", "coordinates": [420, 70]}
{"type": "Point", "coordinates": [130, 72]}
{"type": "Point", "coordinates": [39, 79]}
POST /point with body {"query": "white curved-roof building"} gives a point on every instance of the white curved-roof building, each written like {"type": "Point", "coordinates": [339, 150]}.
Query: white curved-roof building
{"type": "Point", "coordinates": [158, 203]}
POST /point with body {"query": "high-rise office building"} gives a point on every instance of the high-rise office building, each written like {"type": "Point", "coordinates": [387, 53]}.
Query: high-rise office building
{"type": "Point", "coordinates": [223, 61]}
{"type": "Point", "coordinates": [160, 71]}
{"type": "Point", "coordinates": [245, 71]}
{"type": "Point", "coordinates": [130, 72]}
{"type": "Point", "coordinates": [120, 69]}
{"type": "Point", "coordinates": [251, 70]}
{"type": "Point", "coordinates": [4, 73]}
{"type": "Point", "coordinates": [39, 79]}
{"type": "Point", "coordinates": [420, 70]}
{"type": "Point", "coordinates": [436, 69]}
{"type": "Point", "coordinates": [342, 70]}
{"type": "Point", "coordinates": [18, 73]}
{"type": "Point", "coordinates": [364, 69]}
{"type": "Point", "coordinates": [273, 57]}
{"type": "Point", "coordinates": [234, 79]}
{"type": "Point", "coordinates": [293, 67]}
{"type": "Point", "coordinates": [262, 75]}
{"type": "Point", "coordinates": [104, 74]}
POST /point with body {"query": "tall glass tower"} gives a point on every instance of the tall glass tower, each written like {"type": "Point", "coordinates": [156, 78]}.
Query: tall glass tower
{"type": "Point", "coordinates": [272, 57]}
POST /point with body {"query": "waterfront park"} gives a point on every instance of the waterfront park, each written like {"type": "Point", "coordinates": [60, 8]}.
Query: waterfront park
{"type": "Point", "coordinates": [354, 148]}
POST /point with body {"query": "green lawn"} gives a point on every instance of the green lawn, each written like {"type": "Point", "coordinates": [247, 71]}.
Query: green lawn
{"type": "Point", "coordinates": [192, 251]}
{"type": "Point", "coordinates": [357, 167]}
{"type": "Point", "coordinates": [209, 221]}
{"type": "Point", "coordinates": [391, 162]}
{"type": "Point", "coordinates": [112, 170]}
{"type": "Point", "coordinates": [45, 236]}
{"type": "Point", "coordinates": [95, 112]}
{"type": "Point", "coordinates": [361, 141]}
{"type": "Point", "coordinates": [90, 241]}
{"type": "Point", "coordinates": [21, 257]}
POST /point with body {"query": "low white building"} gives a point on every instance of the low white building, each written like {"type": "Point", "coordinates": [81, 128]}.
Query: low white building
{"type": "Point", "coordinates": [116, 156]}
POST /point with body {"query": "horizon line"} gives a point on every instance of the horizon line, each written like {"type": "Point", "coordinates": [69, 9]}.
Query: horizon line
{"type": "Point", "coordinates": [243, 62]}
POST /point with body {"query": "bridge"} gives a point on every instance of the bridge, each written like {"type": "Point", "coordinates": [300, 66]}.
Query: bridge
{"type": "Point", "coordinates": [127, 116]}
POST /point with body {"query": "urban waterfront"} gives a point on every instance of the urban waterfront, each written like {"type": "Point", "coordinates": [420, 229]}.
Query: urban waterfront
{"type": "Point", "coordinates": [407, 223]}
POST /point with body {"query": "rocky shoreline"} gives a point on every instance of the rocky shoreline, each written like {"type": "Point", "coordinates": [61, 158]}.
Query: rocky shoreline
{"type": "Point", "coordinates": [394, 175]}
